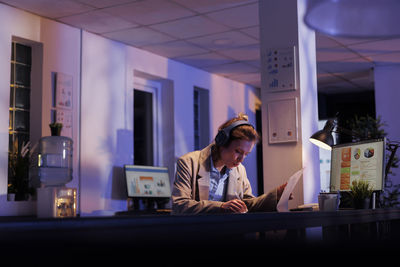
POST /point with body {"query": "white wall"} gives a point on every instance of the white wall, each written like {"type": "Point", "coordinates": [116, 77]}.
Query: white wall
{"type": "Point", "coordinates": [309, 106]}
{"type": "Point", "coordinates": [108, 69]}
{"type": "Point", "coordinates": [281, 160]}
{"type": "Point", "coordinates": [26, 26]}
{"type": "Point", "coordinates": [61, 54]}
{"type": "Point", "coordinates": [104, 103]}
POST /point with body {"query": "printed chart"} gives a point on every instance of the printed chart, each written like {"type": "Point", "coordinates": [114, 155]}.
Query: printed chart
{"type": "Point", "coordinates": [357, 162]}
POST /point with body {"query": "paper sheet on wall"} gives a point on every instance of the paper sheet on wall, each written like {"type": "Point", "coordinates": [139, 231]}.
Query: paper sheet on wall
{"type": "Point", "coordinates": [283, 204]}
{"type": "Point", "coordinates": [63, 92]}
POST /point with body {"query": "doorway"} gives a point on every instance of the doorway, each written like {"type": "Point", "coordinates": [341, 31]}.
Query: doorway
{"type": "Point", "coordinates": [145, 133]}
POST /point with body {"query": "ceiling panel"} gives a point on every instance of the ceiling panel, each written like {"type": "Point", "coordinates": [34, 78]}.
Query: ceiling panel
{"type": "Point", "coordinates": [344, 66]}
{"type": "Point", "coordinates": [50, 8]}
{"type": "Point", "coordinates": [175, 49]}
{"type": "Point", "coordinates": [337, 53]}
{"type": "Point", "coordinates": [324, 41]}
{"type": "Point", "coordinates": [223, 40]}
{"type": "Point", "coordinates": [219, 36]}
{"type": "Point", "coordinates": [377, 47]}
{"type": "Point", "coordinates": [139, 36]}
{"type": "Point", "coordinates": [190, 27]}
{"type": "Point", "coordinates": [386, 59]}
{"type": "Point", "coordinates": [149, 11]}
{"type": "Point", "coordinates": [243, 53]}
{"type": "Point", "coordinates": [105, 3]}
{"type": "Point", "coordinates": [249, 78]}
{"type": "Point", "coordinates": [252, 31]}
{"type": "Point", "coordinates": [328, 82]}
{"type": "Point", "coordinates": [237, 17]}
{"type": "Point", "coordinates": [255, 63]}
{"type": "Point", "coordinates": [205, 60]}
{"type": "Point", "coordinates": [205, 6]}
{"type": "Point", "coordinates": [354, 41]}
{"type": "Point", "coordinates": [97, 22]}
{"type": "Point", "coordinates": [232, 69]}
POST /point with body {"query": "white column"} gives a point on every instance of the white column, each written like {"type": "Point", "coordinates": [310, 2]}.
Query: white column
{"type": "Point", "coordinates": [387, 97]}
{"type": "Point", "coordinates": [282, 26]}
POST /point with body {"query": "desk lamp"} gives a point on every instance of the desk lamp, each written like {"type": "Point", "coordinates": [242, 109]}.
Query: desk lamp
{"type": "Point", "coordinates": [323, 138]}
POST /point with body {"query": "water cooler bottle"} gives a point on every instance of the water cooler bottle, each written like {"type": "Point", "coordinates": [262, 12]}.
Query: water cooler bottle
{"type": "Point", "coordinates": [54, 199]}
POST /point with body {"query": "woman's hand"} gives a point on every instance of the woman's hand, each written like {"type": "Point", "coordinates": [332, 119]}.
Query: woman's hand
{"type": "Point", "coordinates": [235, 206]}
{"type": "Point", "coordinates": [279, 192]}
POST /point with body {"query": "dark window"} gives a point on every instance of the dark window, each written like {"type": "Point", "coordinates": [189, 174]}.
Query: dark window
{"type": "Point", "coordinates": [143, 128]}
{"type": "Point", "coordinates": [201, 117]}
{"type": "Point", "coordinates": [19, 118]}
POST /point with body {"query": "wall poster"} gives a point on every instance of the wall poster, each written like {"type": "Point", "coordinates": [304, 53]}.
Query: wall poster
{"type": "Point", "coordinates": [281, 69]}
{"type": "Point", "coordinates": [63, 91]}
{"type": "Point", "coordinates": [62, 102]}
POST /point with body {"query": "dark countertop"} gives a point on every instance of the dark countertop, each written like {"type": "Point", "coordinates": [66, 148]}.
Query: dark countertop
{"type": "Point", "coordinates": [180, 230]}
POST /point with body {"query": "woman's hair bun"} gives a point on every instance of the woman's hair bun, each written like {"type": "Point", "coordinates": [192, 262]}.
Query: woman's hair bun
{"type": "Point", "coordinates": [243, 117]}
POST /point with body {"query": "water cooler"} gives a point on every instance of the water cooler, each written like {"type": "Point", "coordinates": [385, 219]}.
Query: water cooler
{"type": "Point", "coordinates": [54, 199]}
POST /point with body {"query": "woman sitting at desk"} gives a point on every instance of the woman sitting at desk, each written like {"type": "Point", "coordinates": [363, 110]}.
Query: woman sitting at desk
{"type": "Point", "coordinates": [214, 180]}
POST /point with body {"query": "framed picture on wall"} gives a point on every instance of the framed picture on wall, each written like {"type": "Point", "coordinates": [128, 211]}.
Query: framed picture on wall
{"type": "Point", "coordinates": [63, 90]}
{"type": "Point", "coordinates": [65, 117]}
{"type": "Point", "coordinates": [280, 69]}
{"type": "Point", "coordinates": [61, 110]}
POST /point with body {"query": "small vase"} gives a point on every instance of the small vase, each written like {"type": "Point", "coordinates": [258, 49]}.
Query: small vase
{"type": "Point", "coordinates": [362, 203]}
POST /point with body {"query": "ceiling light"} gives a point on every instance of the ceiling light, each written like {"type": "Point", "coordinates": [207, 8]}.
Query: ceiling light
{"type": "Point", "coordinates": [354, 18]}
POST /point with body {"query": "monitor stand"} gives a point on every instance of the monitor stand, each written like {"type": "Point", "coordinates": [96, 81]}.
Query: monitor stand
{"type": "Point", "coordinates": [137, 206]}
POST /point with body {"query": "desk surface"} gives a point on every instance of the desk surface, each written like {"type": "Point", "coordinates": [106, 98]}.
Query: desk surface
{"type": "Point", "coordinates": [263, 221]}
{"type": "Point", "coordinates": [232, 222]}
{"type": "Point", "coordinates": [162, 229]}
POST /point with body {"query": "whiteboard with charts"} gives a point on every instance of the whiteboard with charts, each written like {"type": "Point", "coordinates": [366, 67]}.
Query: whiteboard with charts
{"type": "Point", "coordinates": [281, 69]}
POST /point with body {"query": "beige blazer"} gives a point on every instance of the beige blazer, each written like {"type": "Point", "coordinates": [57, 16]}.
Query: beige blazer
{"type": "Point", "coordinates": [192, 181]}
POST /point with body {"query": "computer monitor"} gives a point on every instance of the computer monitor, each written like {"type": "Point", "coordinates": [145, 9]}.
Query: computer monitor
{"type": "Point", "coordinates": [358, 161]}
{"type": "Point", "coordinates": [147, 182]}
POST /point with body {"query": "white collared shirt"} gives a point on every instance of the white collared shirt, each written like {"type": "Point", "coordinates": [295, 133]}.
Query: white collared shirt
{"type": "Point", "coordinates": [218, 183]}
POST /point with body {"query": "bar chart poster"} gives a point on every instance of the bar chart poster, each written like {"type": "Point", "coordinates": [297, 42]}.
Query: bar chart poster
{"type": "Point", "coordinates": [63, 90]}
{"type": "Point", "coordinates": [281, 69]}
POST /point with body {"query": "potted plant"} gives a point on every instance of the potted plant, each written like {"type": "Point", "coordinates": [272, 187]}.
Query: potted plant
{"type": "Point", "coordinates": [361, 192]}
{"type": "Point", "coordinates": [55, 128]}
{"type": "Point", "coordinates": [19, 165]}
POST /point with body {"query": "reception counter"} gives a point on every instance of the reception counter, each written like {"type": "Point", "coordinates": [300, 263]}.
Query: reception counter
{"type": "Point", "coordinates": [366, 228]}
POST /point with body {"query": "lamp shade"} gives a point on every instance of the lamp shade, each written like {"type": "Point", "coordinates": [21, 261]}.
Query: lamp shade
{"type": "Point", "coordinates": [323, 138]}
{"type": "Point", "coordinates": [354, 18]}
